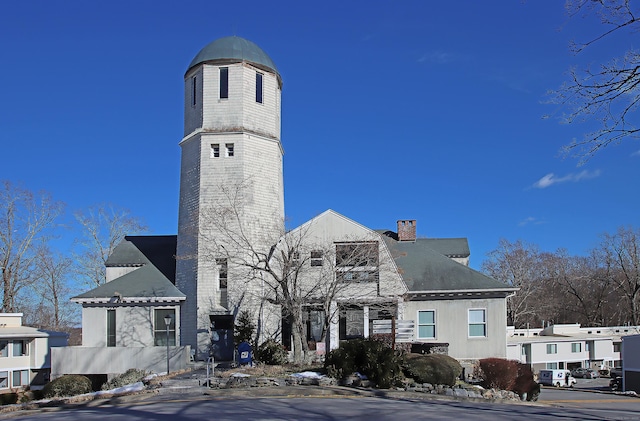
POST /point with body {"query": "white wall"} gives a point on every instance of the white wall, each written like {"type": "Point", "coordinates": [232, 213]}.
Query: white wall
{"type": "Point", "coordinates": [452, 326]}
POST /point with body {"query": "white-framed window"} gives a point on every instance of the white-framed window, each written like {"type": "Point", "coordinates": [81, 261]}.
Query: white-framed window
{"type": "Point", "coordinates": [222, 272]}
{"type": "Point", "coordinates": [552, 366]}
{"type": "Point", "coordinates": [259, 87]}
{"type": "Point", "coordinates": [160, 327]}
{"type": "Point", "coordinates": [224, 82]}
{"type": "Point", "coordinates": [316, 257]}
{"type": "Point", "coordinates": [111, 327]}
{"type": "Point", "coordinates": [4, 379]}
{"type": "Point", "coordinates": [20, 348]}
{"type": "Point", "coordinates": [477, 322]}
{"type": "Point", "coordinates": [552, 348]}
{"type": "Point", "coordinates": [576, 347]}
{"type": "Point", "coordinates": [20, 378]}
{"type": "Point", "coordinates": [617, 346]}
{"type": "Point", "coordinates": [229, 150]}
{"type": "Point", "coordinates": [426, 324]}
{"type": "Point", "coordinates": [194, 90]}
{"type": "Point", "coordinates": [215, 150]}
{"type": "Point", "coordinates": [4, 348]}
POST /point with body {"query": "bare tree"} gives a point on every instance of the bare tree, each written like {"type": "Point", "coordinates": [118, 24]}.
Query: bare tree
{"type": "Point", "coordinates": [584, 289]}
{"type": "Point", "coordinates": [296, 270]}
{"type": "Point", "coordinates": [103, 226]}
{"type": "Point", "coordinates": [608, 93]}
{"type": "Point", "coordinates": [53, 273]}
{"type": "Point", "coordinates": [621, 255]}
{"type": "Point", "coordinates": [518, 265]}
{"type": "Point", "coordinates": [25, 218]}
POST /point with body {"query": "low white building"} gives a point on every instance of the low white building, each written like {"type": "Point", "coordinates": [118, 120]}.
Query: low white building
{"type": "Point", "coordinates": [568, 346]}
{"type": "Point", "coordinates": [25, 353]}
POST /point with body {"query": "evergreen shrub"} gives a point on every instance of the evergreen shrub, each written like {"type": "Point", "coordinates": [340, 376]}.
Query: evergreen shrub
{"type": "Point", "coordinates": [374, 359]}
{"type": "Point", "coordinates": [68, 385]}
{"type": "Point", "coordinates": [271, 353]}
{"type": "Point", "coordinates": [132, 375]}
{"type": "Point", "coordinates": [432, 368]}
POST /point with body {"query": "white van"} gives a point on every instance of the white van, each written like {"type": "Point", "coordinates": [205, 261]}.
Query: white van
{"type": "Point", "coordinates": [557, 378]}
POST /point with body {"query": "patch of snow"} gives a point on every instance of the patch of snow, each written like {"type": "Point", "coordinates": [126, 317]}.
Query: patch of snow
{"type": "Point", "coordinates": [240, 375]}
{"type": "Point", "coordinates": [308, 374]}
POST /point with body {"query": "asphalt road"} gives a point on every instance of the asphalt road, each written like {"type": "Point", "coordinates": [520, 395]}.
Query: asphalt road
{"type": "Point", "coordinates": [306, 408]}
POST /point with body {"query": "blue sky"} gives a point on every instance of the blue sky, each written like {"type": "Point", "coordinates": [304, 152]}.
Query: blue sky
{"type": "Point", "coordinates": [391, 110]}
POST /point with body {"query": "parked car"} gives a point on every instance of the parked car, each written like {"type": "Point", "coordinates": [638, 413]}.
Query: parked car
{"type": "Point", "coordinates": [584, 373]}
{"type": "Point", "coordinates": [615, 372]}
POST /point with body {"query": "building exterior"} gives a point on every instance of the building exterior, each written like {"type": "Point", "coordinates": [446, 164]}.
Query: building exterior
{"type": "Point", "coordinates": [25, 353]}
{"type": "Point", "coordinates": [568, 346]}
{"type": "Point", "coordinates": [631, 363]}
{"type": "Point", "coordinates": [231, 221]}
{"type": "Point", "coordinates": [123, 320]}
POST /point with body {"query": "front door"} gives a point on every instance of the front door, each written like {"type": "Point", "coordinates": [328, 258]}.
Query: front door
{"type": "Point", "coordinates": [222, 337]}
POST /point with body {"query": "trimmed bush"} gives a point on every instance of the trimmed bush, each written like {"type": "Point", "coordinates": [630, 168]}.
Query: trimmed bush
{"type": "Point", "coordinates": [69, 385]}
{"type": "Point", "coordinates": [271, 353]}
{"type": "Point", "coordinates": [498, 373]}
{"type": "Point", "coordinates": [432, 368]}
{"type": "Point", "coordinates": [374, 359]}
{"type": "Point", "coordinates": [132, 375]}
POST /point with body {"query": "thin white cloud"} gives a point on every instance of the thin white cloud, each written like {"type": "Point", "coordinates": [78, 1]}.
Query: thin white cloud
{"type": "Point", "coordinates": [530, 220]}
{"type": "Point", "coordinates": [551, 179]}
{"type": "Point", "coordinates": [636, 153]}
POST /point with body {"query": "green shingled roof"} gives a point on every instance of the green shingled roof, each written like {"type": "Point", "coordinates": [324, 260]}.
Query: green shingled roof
{"type": "Point", "coordinates": [144, 282]}
{"type": "Point", "coordinates": [154, 257]}
{"type": "Point", "coordinates": [234, 48]}
{"type": "Point", "coordinates": [424, 268]}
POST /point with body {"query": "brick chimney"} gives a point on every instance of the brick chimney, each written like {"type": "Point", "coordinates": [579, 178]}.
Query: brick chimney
{"type": "Point", "coordinates": [407, 230]}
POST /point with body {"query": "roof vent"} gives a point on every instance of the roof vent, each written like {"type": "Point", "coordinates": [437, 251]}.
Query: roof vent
{"type": "Point", "coordinates": [407, 230]}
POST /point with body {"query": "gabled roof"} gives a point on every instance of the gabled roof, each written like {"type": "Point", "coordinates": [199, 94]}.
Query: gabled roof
{"type": "Point", "coordinates": [138, 250]}
{"type": "Point", "coordinates": [426, 270]}
{"type": "Point", "coordinates": [152, 281]}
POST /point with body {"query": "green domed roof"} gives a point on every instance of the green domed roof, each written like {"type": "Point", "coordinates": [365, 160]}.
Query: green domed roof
{"type": "Point", "coordinates": [234, 48]}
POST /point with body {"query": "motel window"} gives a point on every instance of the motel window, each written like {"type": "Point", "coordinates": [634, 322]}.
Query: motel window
{"type": "Point", "coordinates": [222, 272]}
{"type": "Point", "coordinates": [215, 150]}
{"type": "Point", "coordinates": [20, 348]}
{"type": "Point", "coordinates": [477, 323]}
{"type": "Point", "coordinates": [576, 347]}
{"type": "Point", "coordinates": [160, 327]}
{"type": "Point", "coordinates": [224, 82]}
{"type": "Point", "coordinates": [259, 88]}
{"type": "Point", "coordinates": [426, 324]}
{"type": "Point", "coordinates": [4, 379]}
{"type": "Point", "coordinates": [229, 149]}
{"type": "Point", "coordinates": [4, 348]}
{"type": "Point", "coordinates": [20, 378]}
{"type": "Point", "coordinates": [552, 348]}
{"type": "Point", "coordinates": [111, 328]}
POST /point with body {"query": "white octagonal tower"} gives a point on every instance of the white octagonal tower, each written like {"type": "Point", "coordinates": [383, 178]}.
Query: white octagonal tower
{"type": "Point", "coordinates": [232, 92]}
